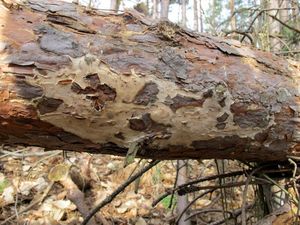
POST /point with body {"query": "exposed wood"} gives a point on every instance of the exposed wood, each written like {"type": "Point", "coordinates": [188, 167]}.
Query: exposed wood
{"type": "Point", "coordinates": [82, 80]}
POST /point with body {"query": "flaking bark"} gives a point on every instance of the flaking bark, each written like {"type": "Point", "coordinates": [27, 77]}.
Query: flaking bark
{"type": "Point", "coordinates": [83, 80]}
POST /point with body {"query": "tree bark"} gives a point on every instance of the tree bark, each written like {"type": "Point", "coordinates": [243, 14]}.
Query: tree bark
{"type": "Point", "coordinates": [83, 80]}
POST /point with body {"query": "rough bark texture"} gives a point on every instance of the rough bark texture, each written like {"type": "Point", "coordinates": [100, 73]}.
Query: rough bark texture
{"type": "Point", "coordinates": [87, 81]}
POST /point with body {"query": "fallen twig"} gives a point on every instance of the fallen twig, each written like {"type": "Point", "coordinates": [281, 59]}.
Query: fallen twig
{"type": "Point", "coordinates": [32, 204]}
{"type": "Point", "coordinates": [30, 154]}
{"type": "Point", "coordinates": [120, 189]}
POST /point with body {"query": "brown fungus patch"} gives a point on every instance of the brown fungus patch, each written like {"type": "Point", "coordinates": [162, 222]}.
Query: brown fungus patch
{"type": "Point", "coordinates": [146, 124]}
{"type": "Point", "coordinates": [48, 105]}
{"type": "Point", "coordinates": [221, 126]}
{"type": "Point", "coordinates": [26, 90]}
{"type": "Point", "coordinates": [180, 101]}
{"type": "Point", "coordinates": [120, 136]}
{"type": "Point", "coordinates": [93, 80]}
{"type": "Point", "coordinates": [223, 118]}
{"type": "Point", "coordinates": [96, 92]}
{"type": "Point", "coordinates": [221, 143]}
{"type": "Point", "coordinates": [148, 94]}
{"type": "Point", "coordinates": [246, 115]}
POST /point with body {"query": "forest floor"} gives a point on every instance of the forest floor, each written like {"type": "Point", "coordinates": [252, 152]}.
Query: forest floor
{"type": "Point", "coordinates": [34, 189]}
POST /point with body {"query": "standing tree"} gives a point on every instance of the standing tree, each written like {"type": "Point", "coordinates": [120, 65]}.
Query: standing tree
{"type": "Point", "coordinates": [201, 16]}
{"type": "Point", "coordinates": [115, 4]}
{"type": "Point", "coordinates": [196, 15]}
{"type": "Point", "coordinates": [164, 11]}
{"type": "Point", "coordinates": [232, 12]}
{"type": "Point", "coordinates": [213, 16]}
{"type": "Point", "coordinates": [155, 9]}
{"type": "Point", "coordinates": [183, 13]}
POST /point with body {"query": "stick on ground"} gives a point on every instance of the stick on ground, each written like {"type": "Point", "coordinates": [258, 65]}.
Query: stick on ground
{"type": "Point", "coordinates": [118, 191]}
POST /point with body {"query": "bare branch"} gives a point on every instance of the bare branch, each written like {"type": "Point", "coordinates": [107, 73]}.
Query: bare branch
{"type": "Point", "coordinates": [120, 189]}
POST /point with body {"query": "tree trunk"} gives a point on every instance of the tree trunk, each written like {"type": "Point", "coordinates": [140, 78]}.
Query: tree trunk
{"type": "Point", "coordinates": [274, 28]}
{"type": "Point", "coordinates": [154, 11]}
{"type": "Point", "coordinates": [232, 11]}
{"type": "Point", "coordinates": [201, 16]}
{"type": "Point", "coordinates": [196, 17]}
{"type": "Point", "coordinates": [103, 83]}
{"type": "Point", "coordinates": [182, 200]}
{"type": "Point", "coordinates": [115, 5]}
{"type": "Point", "coordinates": [164, 11]}
{"type": "Point", "coordinates": [183, 10]}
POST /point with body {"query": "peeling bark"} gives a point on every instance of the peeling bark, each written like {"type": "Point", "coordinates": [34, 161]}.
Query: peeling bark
{"type": "Point", "coordinates": [90, 81]}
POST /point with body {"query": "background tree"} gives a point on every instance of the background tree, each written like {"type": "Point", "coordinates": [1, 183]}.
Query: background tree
{"type": "Point", "coordinates": [183, 13]}
{"type": "Point", "coordinates": [164, 12]}
{"type": "Point", "coordinates": [115, 4]}
{"type": "Point", "coordinates": [196, 14]}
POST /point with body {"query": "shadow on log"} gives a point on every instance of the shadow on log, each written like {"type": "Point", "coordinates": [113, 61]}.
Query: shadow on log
{"type": "Point", "coordinates": [99, 82]}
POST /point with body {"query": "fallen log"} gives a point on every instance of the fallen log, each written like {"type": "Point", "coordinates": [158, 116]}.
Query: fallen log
{"type": "Point", "coordinates": [84, 80]}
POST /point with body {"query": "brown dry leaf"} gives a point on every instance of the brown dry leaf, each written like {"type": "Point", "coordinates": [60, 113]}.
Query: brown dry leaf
{"type": "Point", "coordinates": [140, 221]}
{"type": "Point", "coordinates": [7, 196]}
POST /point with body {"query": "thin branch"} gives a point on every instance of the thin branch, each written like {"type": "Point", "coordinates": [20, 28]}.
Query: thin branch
{"type": "Point", "coordinates": [249, 178]}
{"type": "Point", "coordinates": [257, 15]}
{"type": "Point", "coordinates": [191, 203]}
{"type": "Point", "coordinates": [247, 34]}
{"type": "Point", "coordinates": [293, 180]}
{"type": "Point", "coordinates": [31, 205]}
{"type": "Point", "coordinates": [225, 185]}
{"type": "Point", "coordinates": [181, 188]}
{"type": "Point", "coordinates": [120, 189]}
{"type": "Point", "coordinates": [175, 183]}
{"type": "Point", "coordinates": [30, 154]}
{"type": "Point", "coordinates": [287, 52]}
{"type": "Point", "coordinates": [284, 24]}
{"type": "Point", "coordinates": [168, 192]}
{"type": "Point", "coordinates": [233, 214]}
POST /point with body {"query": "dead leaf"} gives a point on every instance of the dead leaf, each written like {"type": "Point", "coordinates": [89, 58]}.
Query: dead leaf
{"type": "Point", "coordinates": [140, 221]}
{"type": "Point", "coordinates": [59, 172]}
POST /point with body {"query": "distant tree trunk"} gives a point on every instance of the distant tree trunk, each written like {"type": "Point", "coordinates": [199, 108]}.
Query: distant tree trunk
{"type": "Point", "coordinates": [196, 16]}
{"type": "Point", "coordinates": [147, 4]}
{"type": "Point", "coordinates": [98, 82]}
{"type": "Point", "coordinates": [296, 13]}
{"type": "Point", "coordinates": [89, 4]}
{"type": "Point", "coordinates": [233, 17]}
{"type": "Point", "coordinates": [284, 14]}
{"type": "Point", "coordinates": [264, 27]}
{"type": "Point", "coordinates": [213, 22]}
{"type": "Point", "coordinates": [274, 27]}
{"type": "Point", "coordinates": [182, 201]}
{"type": "Point", "coordinates": [115, 4]}
{"type": "Point", "coordinates": [154, 9]}
{"type": "Point", "coordinates": [201, 16]}
{"type": "Point", "coordinates": [183, 13]}
{"type": "Point", "coordinates": [296, 17]}
{"type": "Point", "coordinates": [164, 11]}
